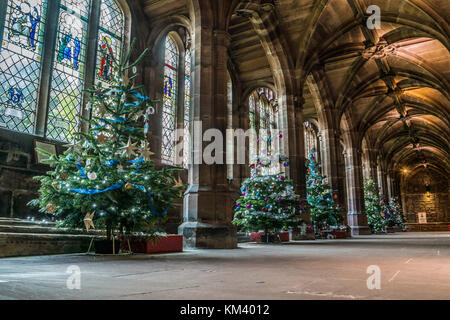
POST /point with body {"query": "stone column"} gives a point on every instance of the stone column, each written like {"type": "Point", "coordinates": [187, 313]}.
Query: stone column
{"type": "Point", "coordinates": [389, 185]}
{"type": "Point", "coordinates": [373, 172]}
{"type": "Point", "coordinates": [207, 202]}
{"type": "Point", "coordinates": [357, 218]}
{"type": "Point", "coordinates": [329, 161]}
{"type": "Point", "coordinates": [297, 158]}
{"type": "Point", "coordinates": [297, 150]}
{"type": "Point", "coordinates": [382, 176]}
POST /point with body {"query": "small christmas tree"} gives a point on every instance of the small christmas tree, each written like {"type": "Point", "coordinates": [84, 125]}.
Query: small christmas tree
{"type": "Point", "coordinates": [268, 201]}
{"type": "Point", "coordinates": [392, 212]}
{"type": "Point", "coordinates": [376, 221]}
{"type": "Point", "coordinates": [325, 212]}
{"type": "Point", "coordinates": [106, 178]}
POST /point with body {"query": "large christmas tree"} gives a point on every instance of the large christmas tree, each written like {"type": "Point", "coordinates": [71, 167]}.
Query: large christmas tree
{"type": "Point", "coordinates": [392, 212]}
{"type": "Point", "coordinates": [325, 212]}
{"type": "Point", "coordinates": [106, 178]}
{"type": "Point", "coordinates": [376, 221]}
{"type": "Point", "coordinates": [268, 201]}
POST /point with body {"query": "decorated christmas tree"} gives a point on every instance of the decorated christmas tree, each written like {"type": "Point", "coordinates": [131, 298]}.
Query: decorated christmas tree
{"type": "Point", "coordinates": [325, 212]}
{"type": "Point", "coordinates": [268, 201]}
{"type": "Point", "coordinates": [392, 212]}
{"type": "Point", "coordinates": [106, 178]}
{"type": "Point", "coordinates": [376, 221]}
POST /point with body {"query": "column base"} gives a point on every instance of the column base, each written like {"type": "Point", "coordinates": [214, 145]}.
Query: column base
{"type": "Point", "coordinates": [197, 235]}
{"type": "Point", "coordinates": [360, 231]}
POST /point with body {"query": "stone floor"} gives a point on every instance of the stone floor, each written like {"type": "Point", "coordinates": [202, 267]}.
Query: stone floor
{"type": "Point", "coordinates": [413, 266]}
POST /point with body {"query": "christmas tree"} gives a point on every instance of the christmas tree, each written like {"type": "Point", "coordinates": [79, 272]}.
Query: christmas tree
{"type": "Point", "coordinates": [392, 212]}
{"type": "Point", "coordinates": [268, 201]}
{"type": "Point", "coordinates": [325, 212]}
{"type": "Point", "coordinates": [373, 207]}
{"type": "Point", "coordinates": [106, 179]}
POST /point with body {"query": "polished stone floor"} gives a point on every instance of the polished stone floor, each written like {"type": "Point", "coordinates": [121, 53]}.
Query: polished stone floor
{"type": "Point", "coordinates": [412, 266]}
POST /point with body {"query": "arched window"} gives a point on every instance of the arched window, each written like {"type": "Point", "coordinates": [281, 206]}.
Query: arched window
{"type": "Point", "coordinates": [310, 139]}
{"type": "Point", "coordinates": [177, 99]}
{"type": "Point", "coordinates": [110, 34]}
{"type": "Point", "coordinates": [43, 69]}
{"type": "Point", "coordinates": [169, 101]}
{"type": "Point", "coordinates": [263, 121]}
{"type": "Point", "coordinates": [187, 106]}
{"type": "Point", "coordinates": [253, 145]}
{"type": "Point", "coordinates": [229, 134]}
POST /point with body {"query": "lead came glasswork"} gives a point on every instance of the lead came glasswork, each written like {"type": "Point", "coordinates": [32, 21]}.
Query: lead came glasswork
{"type": "Point", "coordinates": [68, 73]}
{"type": "Point", "coordinates": [20, 61]}
{"type": "Point", "coordinates": [109, 39]}
{"type": "Point", "coordinates": [169, 101]}
{"type": "Point", "coordinates": [187, 107]}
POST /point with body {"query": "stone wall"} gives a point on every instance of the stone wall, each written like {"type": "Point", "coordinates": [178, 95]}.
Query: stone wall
{"type": "Point", "coordinates": [415, 199]}
{"type": "Point", "coordinates": [18, 166]}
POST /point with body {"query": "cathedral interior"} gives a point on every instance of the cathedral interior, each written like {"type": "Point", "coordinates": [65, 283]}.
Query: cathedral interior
{"type": "Point", "coordinates": [363, 85]}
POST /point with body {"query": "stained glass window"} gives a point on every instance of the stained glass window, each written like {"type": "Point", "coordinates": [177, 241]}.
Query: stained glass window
{"type": "Point", "coordinates": [187, 106]}
{"type": "Point", "coordinates": [109, 39]}
{"type": "Point", "coordinates": [169, 101]}
{"type": "Point", "coordinates": [68, 71]}
{"type": "Point", "coordinates": [230, 136]}
{"type": "Point", "coordinates": [263, 122]}
{"type": "Point", "coordinates": [20, 63]}
{"type": "Point", "coordinates": [24, 39]}
{"type": "Point", "coordinates": [253, 138]}
{"type": "Point", "coordinates": [310, 138]}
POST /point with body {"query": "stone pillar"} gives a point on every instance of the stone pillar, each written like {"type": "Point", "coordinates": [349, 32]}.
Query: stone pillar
{"type": "Point", "coordinates": [380, 180]}
{"type": "Point", "coordinates": [297, 159]}
{"type": "Point", "coordinates": [357, 218]}
{"type": "Point", "coordinates": [383, 182]}
{"type": "Point", "coordinates": [298, 169]}
{"type": "Point", "coordinates": [373, 172]}
{"type": "Point", "coordinates": [328, 155]}
{"type": "Point", "coordinates": [389, 185]}
{"type": "Point", "coordinates": [207, 202]}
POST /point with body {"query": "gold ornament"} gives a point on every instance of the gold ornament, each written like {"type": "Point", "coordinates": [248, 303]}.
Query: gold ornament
{"type": "Point", "coordinates": [178, 184]}
{"type": "Point", "coordinates": [50, 208]}
{"type": "Point", "coordinates": [145, 152]}
{"type": "Point", "coordinates": [128, 186]}
{"type": "Point", "coordinates": [56, 185]}
{"type": "Point", "coordinates": [138, 115]}
{"type": "Point", "coordinates": [88, 220]}
{"type": "Point", "coordinates": [129, 149]}
{"type": "Point", "coordinates": [72, 147]}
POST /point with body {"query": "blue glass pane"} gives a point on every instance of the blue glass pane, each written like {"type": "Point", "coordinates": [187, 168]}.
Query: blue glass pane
{"type": "Point", "coordinates": [68, 72]}
{"type": "Point", "coordinates": [20, 63]}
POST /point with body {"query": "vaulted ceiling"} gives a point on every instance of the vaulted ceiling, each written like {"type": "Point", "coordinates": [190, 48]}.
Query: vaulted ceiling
{"type": "Point", "coordinates": [391, 85]}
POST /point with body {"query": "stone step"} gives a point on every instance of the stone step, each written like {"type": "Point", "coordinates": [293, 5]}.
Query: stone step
{"type": "Point", "coordinates": [22, 222]}
{"type": "Point", "coordinates": [32, 244]}
{"type": "Point", "coordinates": [45, 229]}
